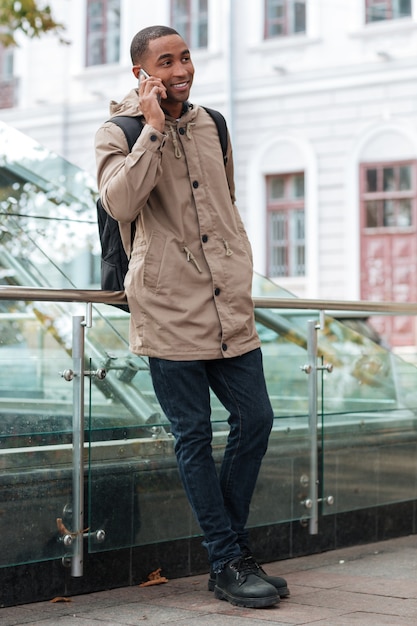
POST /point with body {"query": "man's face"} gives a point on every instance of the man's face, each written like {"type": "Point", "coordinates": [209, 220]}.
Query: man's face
{"type": "Point", "coordinates": [169, 59]}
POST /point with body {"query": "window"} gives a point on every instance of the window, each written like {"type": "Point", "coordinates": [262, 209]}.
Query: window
{"type": "Point", "coordinates": [103, 31]}
{"type": "Point", "coordinates": [6, 63]}
{"type": "Point", "coordinates": [377, 10]}
{"type": "Point", "coordinates": [285, 225]}
{"type": "Point", "coordinates": [388, 195]}
{"type": "Point", "coordinates": [284, 17]}
{"type": "Point", "coordinates": [8, 84]}
{"type": "Point", "coordinates": [190, 19]}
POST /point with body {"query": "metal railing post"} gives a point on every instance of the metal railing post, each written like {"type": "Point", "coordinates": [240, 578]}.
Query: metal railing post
{"type": "Point", "coordinates": [78, 326]}
{"type": "Point", "coordinates": [311, 368]}
{"type": "Point", "coordinates": [312, 412]}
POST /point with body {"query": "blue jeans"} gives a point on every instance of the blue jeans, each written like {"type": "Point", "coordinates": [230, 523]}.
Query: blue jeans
{"type": "Point", "coordinates": [220, 501]}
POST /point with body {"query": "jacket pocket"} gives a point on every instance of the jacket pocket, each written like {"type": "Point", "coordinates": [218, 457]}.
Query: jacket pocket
{"type": "Point", "coordinates": [153, 262]}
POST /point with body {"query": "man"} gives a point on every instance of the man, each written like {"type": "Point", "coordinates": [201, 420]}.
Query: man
{"type": "Point", "coordinates": [189, 292]}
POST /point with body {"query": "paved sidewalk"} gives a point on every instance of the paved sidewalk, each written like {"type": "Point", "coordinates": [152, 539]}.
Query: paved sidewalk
{"type": "Point", "coordinates": [372, 584]}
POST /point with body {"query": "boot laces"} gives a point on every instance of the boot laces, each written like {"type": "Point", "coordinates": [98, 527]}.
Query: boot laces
{"type": "Point", "coordinates": [255, 566]}
{"type": "Point", "coordinates": [243, 567]}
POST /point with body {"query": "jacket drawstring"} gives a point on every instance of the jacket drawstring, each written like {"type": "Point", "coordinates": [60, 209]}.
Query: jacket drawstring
{"type": "Point", "coordinates": [191, 257]}
{"type": "Point", "coordinates": [188, 130]}
{"type": "Point", "coordinates": [173, 131]}
{"type": "Point", "coordinates": [177, 150]}
{"type": "Point", "coordinates": [229, 252]}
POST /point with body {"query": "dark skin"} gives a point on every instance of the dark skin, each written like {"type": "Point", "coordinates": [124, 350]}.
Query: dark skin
{"type": "Point", "coordinates": [171, 72]}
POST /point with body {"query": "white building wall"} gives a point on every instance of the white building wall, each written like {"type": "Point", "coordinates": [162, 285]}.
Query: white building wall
{"type": "Point", "coordinates": [345, 92]}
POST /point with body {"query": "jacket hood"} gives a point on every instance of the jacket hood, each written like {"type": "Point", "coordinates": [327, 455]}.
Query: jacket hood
{"type": "Point", "coordinates": [128, 106]}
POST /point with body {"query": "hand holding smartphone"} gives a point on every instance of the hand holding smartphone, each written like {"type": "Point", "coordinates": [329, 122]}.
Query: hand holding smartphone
{"type": "Point", "coordinates": [144, 74]}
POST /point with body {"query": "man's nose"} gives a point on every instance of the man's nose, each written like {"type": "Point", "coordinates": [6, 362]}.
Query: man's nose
{"type": "Point", "coordinates": [180, 70]}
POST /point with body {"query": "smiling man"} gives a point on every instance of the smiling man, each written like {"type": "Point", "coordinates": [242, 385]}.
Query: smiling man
{"type": "Point", "coordinates": [189, 292]}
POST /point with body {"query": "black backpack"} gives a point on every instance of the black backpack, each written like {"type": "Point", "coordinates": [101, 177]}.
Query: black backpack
{"type": "Point", "coordinates": [114, 262]}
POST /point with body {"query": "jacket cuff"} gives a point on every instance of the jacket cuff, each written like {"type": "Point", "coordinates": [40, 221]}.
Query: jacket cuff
{"type": "Point", "coordinates": [152, 139]}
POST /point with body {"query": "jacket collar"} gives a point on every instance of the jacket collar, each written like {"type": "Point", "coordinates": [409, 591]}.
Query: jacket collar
{"type": "Point", "coordinates": [187, 106]}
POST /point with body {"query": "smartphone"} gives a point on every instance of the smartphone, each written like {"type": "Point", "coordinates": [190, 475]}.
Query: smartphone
{"type": "Point", "coordinates": [142, 74]}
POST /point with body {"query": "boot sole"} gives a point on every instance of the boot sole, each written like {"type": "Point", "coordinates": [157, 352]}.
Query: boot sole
{"type": "Point", "coordinates": [283, 592]}
{"type": "Point", "coordinates": [250, 603]}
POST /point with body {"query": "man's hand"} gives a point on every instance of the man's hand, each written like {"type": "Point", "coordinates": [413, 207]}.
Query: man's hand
{"type": "Point", "coordinates": [151, 91]}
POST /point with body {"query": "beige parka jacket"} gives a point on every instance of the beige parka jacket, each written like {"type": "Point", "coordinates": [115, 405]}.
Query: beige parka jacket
{"type": "Point", "coordinates": [190, 272]}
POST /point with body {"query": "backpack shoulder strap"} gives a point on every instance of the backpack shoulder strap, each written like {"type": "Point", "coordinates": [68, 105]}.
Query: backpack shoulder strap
{"type": "Point", "coordinates": [131, 126]}
{"type": "Point", "coordinates": [221, 129]}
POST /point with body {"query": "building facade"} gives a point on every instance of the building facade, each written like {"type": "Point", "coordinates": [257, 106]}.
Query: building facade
{"type": "Point", "coordinates": [321, 101]}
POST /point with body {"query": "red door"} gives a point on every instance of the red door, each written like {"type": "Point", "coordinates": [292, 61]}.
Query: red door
{"type": "Point", "coordinates": [389, 244]}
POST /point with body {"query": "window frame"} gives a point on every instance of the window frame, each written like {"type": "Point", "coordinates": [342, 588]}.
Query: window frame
{"type": "Point", "coordinates": [8, 82]}
{"type": "Point", "coordinates": [106, 37]}
{"type": "Point", "coordinates": [288, 20]}
{"type": "Point", "coordinates": [389, 8]}
{"type": "Point", "coordinates": [195, 28]}
{"type": "Point", "coordinates": [287, 206]}
{"type": "Point", "coordinates": [380, 196]}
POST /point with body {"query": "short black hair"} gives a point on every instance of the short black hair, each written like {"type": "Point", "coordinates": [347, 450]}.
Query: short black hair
{"type": "Point", "coordinates": [140, 42]}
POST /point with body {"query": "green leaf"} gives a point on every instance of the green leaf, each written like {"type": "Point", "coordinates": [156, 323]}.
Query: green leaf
{"type": "Point", "coordinates": [31, 17]}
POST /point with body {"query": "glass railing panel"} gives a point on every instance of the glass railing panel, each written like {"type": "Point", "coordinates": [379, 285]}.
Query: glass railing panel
{"type": "Point", "coordinates": [35, 438]}
{"type": "Point", "coordinates": [369, 460]}
{"type": "Point", "coordinates": [34, 497]}
{"type": "Point", "coordinates": [368, 423]}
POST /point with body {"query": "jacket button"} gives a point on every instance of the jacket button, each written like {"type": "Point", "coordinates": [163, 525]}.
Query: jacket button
{"type": "Point", "coordinates": [217, 291]}
{"type": "Point", "coordinates": [182, 131]}
{"type": "Point", "coordinates": [153, 138]}
{"type": "Point", "coordinates": [224, 347]}
{"type": "Point", "coordinates": [195, 184]}
{"type": "Point", "coordinates": [204, 238]}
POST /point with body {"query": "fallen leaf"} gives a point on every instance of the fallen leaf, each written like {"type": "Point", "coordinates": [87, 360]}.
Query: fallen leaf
{"type": "Point", "coordinates": [154, 578]}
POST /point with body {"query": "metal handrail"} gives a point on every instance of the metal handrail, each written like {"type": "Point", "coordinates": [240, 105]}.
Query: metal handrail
{"type": "Point", "coordinates": [97, 296]}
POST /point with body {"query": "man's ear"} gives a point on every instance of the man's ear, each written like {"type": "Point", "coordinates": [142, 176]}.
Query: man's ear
{"type": "Point", "coordinates": [136, 70]}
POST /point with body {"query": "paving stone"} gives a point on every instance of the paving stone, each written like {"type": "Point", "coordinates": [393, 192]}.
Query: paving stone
{"type": "Point", "coordinates": [371, 585]}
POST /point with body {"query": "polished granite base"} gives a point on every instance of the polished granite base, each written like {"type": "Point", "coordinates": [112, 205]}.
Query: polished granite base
{"type": "Point", "coordinates": [45, 580]}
